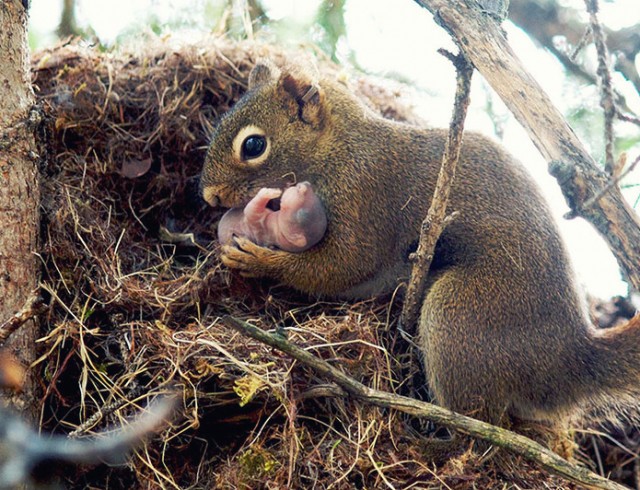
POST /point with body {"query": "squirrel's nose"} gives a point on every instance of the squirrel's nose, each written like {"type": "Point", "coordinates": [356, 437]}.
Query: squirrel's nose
{"type": "Point", "coordinates": [211, 195]}
{"type": "Point", "coordinates": [224, 195]}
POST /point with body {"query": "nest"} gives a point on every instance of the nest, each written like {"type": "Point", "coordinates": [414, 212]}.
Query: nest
{"type": "Point", "coordinates": [137, 291]}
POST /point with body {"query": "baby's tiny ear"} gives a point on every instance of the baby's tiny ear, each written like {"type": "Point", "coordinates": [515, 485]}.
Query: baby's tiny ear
{"type": "Point", "coordinates": [304, 98]}
{"type": "Point", "coordinates": [263, 72]}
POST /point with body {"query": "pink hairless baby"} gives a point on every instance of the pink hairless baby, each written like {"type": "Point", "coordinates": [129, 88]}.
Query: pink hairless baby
{"type": "Point", "coordinates": [298, 225]}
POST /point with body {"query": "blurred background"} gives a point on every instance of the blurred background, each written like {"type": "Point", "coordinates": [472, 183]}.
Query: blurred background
{"type": "Point", "coordinates": [397, 41]}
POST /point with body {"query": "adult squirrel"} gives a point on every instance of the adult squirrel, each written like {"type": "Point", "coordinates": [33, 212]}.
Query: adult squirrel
{"type": "Point", "coordinates": [503, 328]}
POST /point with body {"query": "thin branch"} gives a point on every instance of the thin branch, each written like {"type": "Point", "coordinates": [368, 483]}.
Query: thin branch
{"type": "Point", "coordinates": [604, 75]}
{"type": "Point", "coordinates": [23, 449]}
{"type": "Point", "coordinates": [584, 40]}
{"type": "Point", "coordinates": [102, 413]}
{"type": "Point", "coordinates": [33, 307]}
{"type": "Point", "coordinates": [498, 436]}
{"type": "Point", "coordinates": [547, 21]}
{"type": "Point", "coordinates": [627, 118]}
{"type": "Point", "coordinates": [436, 218]}
{"type": "Point", "coordinates": [613, 183]}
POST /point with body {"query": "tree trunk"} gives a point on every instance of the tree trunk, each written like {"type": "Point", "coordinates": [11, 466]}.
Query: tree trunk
{"type": "Point", "coordinates": [19, 185]}
{"type": "Point", "coordinates": [68, 25]}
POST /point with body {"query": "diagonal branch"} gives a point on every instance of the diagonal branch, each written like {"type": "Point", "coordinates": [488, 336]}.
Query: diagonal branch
{"type": "Point", "coordinates": [24, 450]}
{"type": "Point", "coordinates": [606, 91]}
{"type": "Point", "coordinates": [484, 44]}
{"type": "Point", "coordinates": [516, 443]}
{"type": "Point", "coordinates": [32, 308]}
{"type": "Point", "coordinates": [436, 219]}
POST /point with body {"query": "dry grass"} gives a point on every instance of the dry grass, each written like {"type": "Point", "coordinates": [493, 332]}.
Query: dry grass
{"type": "Point", "coordinates": [136, 291]}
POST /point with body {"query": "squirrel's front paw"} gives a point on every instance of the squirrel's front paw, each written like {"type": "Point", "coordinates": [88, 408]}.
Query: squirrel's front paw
{"type": "Point", "coordinates": [249, 259]}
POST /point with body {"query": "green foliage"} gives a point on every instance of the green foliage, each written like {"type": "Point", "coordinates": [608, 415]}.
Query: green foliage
{"type": "Point", "coordinates": [323, 26]}
{"type": "Point", "coordinates": [201, 16]}
{"type": "Point", "coordinates": [330, 19]}
{"type": "Point", "coordinates": [628, 142]}
{"type": "Point", "coordinates": [35, 40]}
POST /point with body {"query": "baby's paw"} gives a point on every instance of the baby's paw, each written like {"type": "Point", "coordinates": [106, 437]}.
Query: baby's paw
{"type": "Point", "coordinates": [251, 260]}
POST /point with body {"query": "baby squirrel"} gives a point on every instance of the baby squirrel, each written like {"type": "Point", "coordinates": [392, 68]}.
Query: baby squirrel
{"type": "Point", "coordinates": [503, 329]}
{"type": "Point", "coordinates": [296, 226]}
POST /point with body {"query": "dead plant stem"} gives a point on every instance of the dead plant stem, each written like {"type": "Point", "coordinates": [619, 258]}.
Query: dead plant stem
{"type": "Point", "coordinates": [32, 308]}
{"type": "Point", "coordinates": [436, 219]}
{"type": "Point", "coordinates": [604, 75]}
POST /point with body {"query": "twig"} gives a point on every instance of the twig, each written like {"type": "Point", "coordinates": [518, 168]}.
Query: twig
{"type": "Point", "coordinates": [101, 414]}
{"type": "Point", "coordinates": [606, 92]}
{"type": "Point", "coordinates": [23, 449]}
{"type": "Point", "coordinates": [32, 308]}
{"type": "Point", "coordinates": [614, 182]}
{"type": "Point", "coordinates": [623, 43]}
{"type": "Point", "coordinates": [627, 118]}
{"type": "Point", "coordinates": [584, 40]}
{"type": "Point", "coordinates": [516, 443]}
{"type": "Point", "coordinates": [436, 218]}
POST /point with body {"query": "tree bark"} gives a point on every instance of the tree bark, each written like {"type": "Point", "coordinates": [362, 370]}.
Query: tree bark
{"type": "Point", "coordinates": [483, 42]}
{"type": "Point", "coordinates": [19, 186]}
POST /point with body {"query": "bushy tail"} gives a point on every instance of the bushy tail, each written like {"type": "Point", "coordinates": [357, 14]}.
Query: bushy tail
{"type": "Point", "coordinates": [612, 358]}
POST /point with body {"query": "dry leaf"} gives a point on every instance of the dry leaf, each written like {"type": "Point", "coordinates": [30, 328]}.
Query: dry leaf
{"type": "Point", "coordinates": [135, 168]}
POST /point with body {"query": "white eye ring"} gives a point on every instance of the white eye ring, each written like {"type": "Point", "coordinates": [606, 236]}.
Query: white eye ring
{"type": "Point", "coordinates": [239, 140]}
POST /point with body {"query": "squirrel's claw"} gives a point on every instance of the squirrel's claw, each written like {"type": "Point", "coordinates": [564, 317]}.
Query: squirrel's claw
{"type": "Point", "coordinates": [249, 259]}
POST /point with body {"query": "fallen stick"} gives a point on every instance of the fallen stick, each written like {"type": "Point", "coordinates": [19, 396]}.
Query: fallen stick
{"type": "Point", "coordinates": [504, 438]}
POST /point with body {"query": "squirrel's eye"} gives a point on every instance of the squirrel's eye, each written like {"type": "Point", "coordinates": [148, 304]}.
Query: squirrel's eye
{"type": "Point", "coordinates": [253, 146]}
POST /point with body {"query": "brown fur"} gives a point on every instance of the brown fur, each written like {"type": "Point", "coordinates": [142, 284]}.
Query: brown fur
{"type": "Point", "coordinates": [503, 329]}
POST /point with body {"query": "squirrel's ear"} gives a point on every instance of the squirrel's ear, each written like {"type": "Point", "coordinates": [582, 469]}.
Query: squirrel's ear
{"type": "Point", "coordinates": [304, 98]}
{"type": "Point", "coordinates": [264, 71]}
